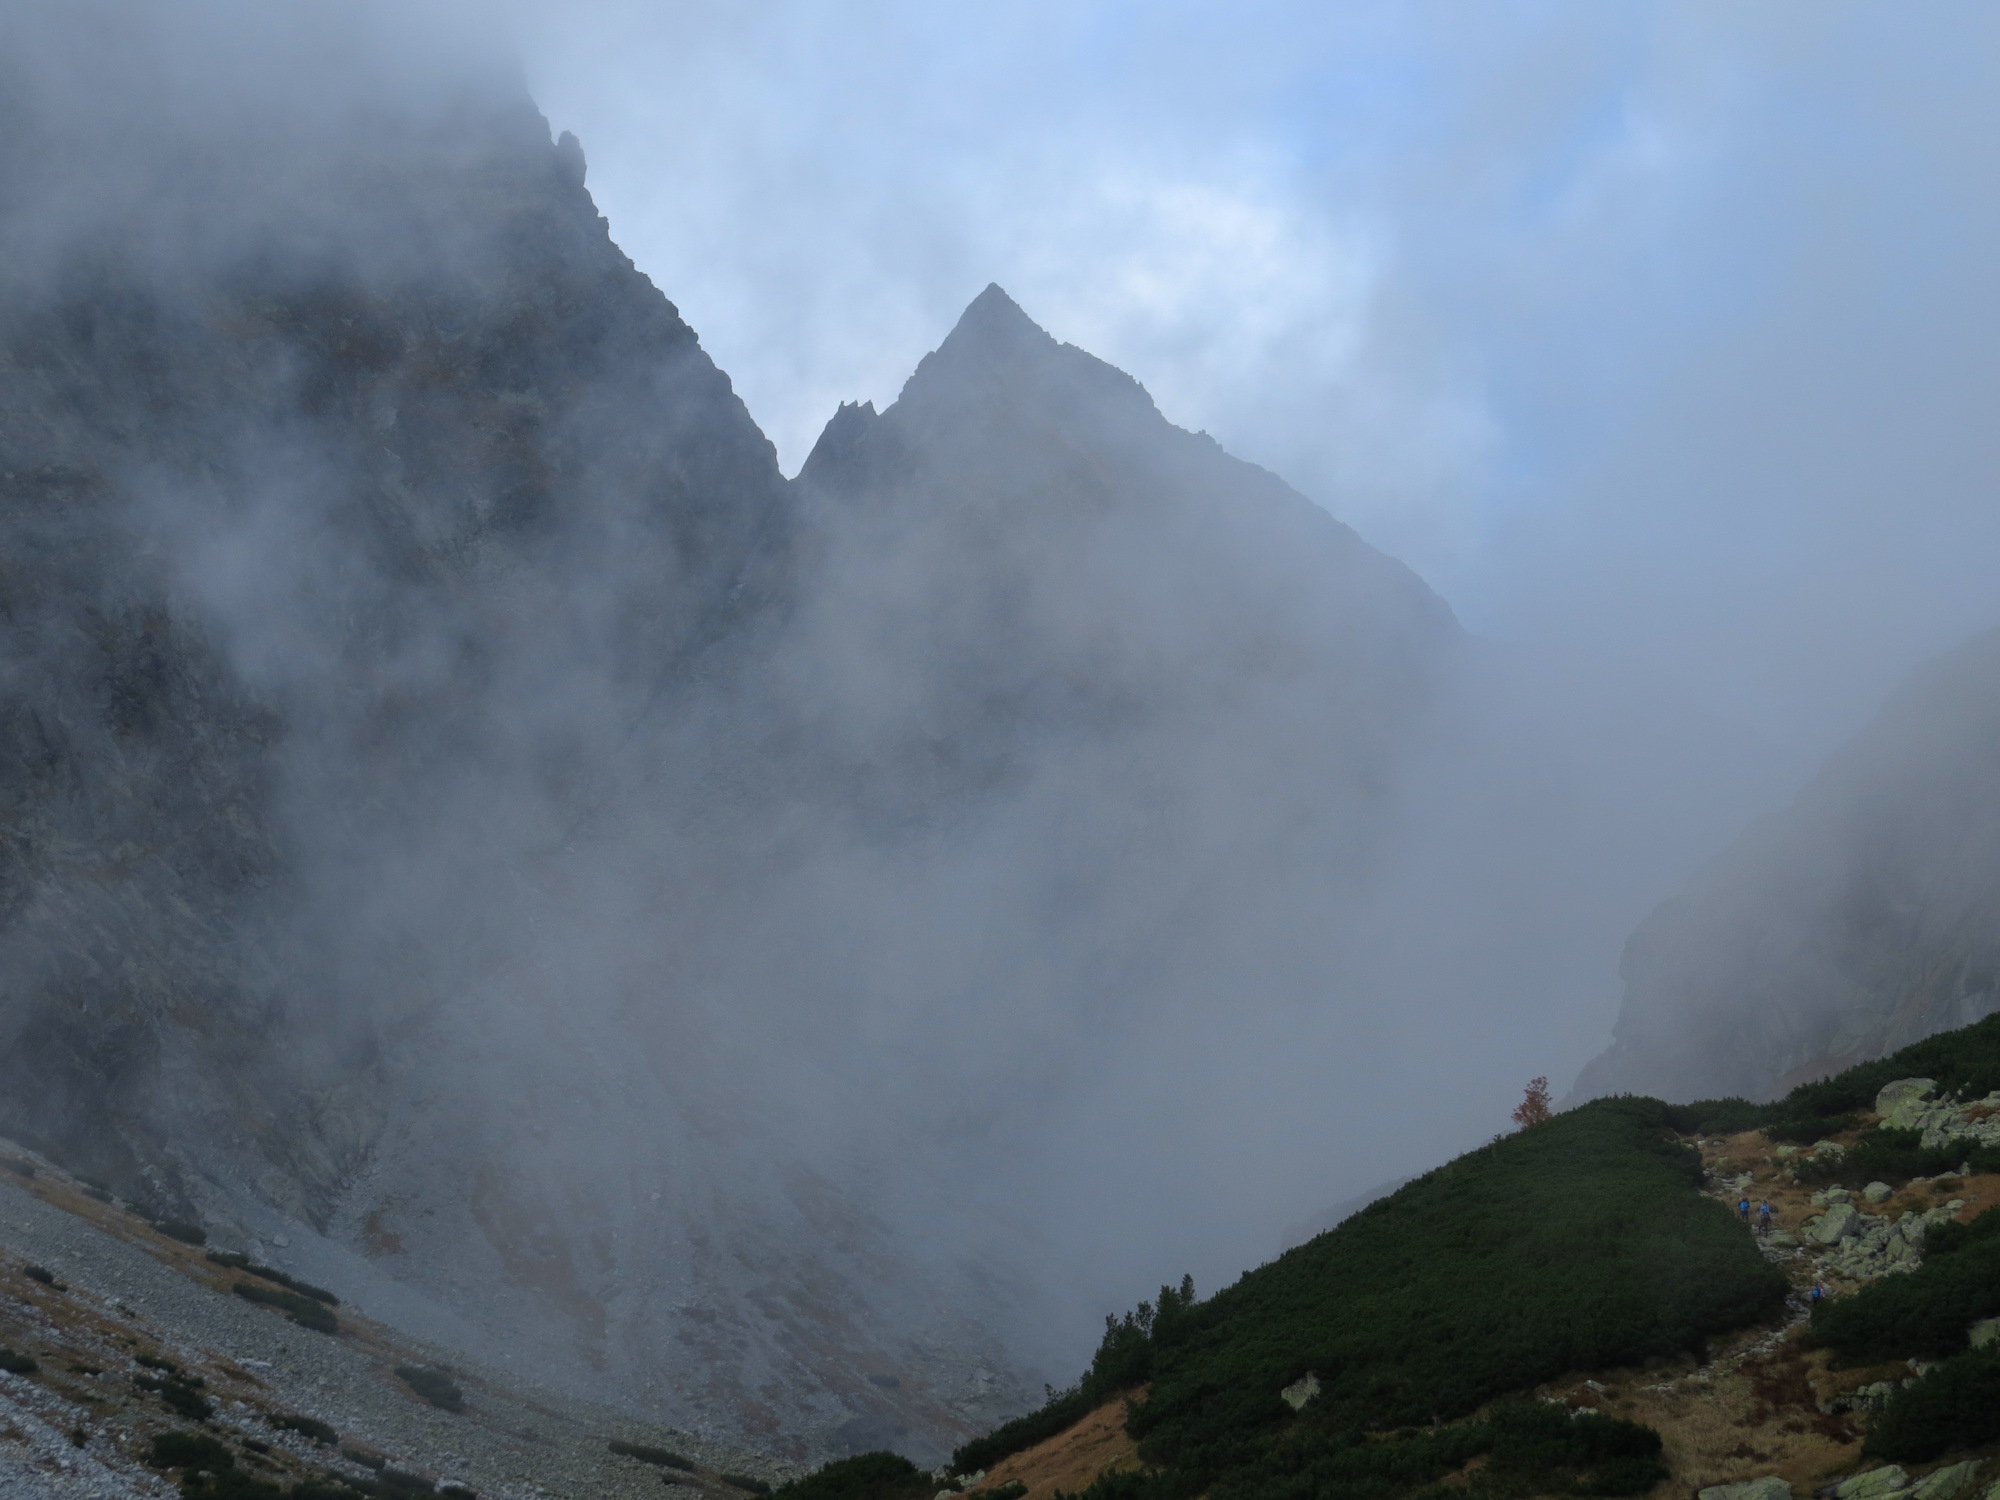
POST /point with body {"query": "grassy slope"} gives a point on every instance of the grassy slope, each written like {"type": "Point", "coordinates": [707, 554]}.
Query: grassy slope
{"type": "Point", "coordinates": [1579, 1243]}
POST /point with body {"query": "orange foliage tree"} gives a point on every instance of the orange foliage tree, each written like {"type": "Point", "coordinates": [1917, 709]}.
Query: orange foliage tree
{"type": "Point", "coordinates": [1534, 1108]}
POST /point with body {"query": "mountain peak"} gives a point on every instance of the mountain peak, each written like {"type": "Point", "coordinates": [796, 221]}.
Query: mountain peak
{"type": "Point", "coordinates": [993, 323]}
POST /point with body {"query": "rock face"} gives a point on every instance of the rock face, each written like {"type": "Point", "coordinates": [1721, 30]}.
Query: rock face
{"type": "Point", "coordinates": [1860, 919]}
{"type": "Point", "coordinates": [467, 821]}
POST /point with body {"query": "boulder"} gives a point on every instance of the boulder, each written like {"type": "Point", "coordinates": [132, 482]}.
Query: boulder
{"type": "Point", "coordinates": [1876, 1484]}
{"type": "Point", "coordinates": [1947, 1483]}
{"type": "Point", "coordinates": [1900, 1104]}
{"type": "Point", "coordinates": [1834, 1225]}
{"type": "Point", "coordinates": [1984, 1332]}
{"type": "Point", "coordinates": [1770, 1487]}
{"type": "Point", "coordinates": [1876, 1192]}
{"type": "Point", "coordinates": [1777, 1239]}
{"type": "Point", "coordinates": [1300, 1391]}
{"type": "Point", "coordinates": [1839, 1195]}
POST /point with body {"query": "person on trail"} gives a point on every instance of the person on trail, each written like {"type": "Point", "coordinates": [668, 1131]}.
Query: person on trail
{"type": "Point", "coordinates": [1764, 1217]}
{"type": "Point", "coordinates": [1743, 1209]}
{"type": "Point", "coordinates": [1818, 1292]}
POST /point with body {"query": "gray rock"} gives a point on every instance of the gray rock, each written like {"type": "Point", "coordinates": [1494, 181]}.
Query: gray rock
{"type": "Point", "coordinates": [1898, 1103]}
{"type": "Point", "coordinates": [1777, 1239]}
{"type": "Point", "coordinates": [1300, 1391]}
{"type": "Point", "coordinates": [1947, 1483]}
{"type": "Point", "coordinates": [1770, 1487]}
{"type": "Point", "coordinates": [1984, 1332]}
{"type": "Point", "coordinates": [1876, 1484]}
{"type": "Point", "coordinates": [1834, 1225]}
{"type": "Point", "coordinates": [1876, 1192]}
{"type": "Point", "coordinates": [1839, 1195]}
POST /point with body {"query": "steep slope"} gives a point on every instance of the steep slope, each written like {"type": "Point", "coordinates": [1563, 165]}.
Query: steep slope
{"type": "Point", "coordinates": [1861, 918]}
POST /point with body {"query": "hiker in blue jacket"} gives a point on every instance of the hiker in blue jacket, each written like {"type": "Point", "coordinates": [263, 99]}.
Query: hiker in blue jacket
{"type": "Point", "coordinates": [1743, 1209]}
{"type": "Point", "coordinates": [1764, 1217]}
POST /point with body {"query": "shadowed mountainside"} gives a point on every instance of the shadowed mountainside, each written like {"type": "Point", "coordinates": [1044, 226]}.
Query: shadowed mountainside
{"type": "Point", "coordinates": [470, 829]}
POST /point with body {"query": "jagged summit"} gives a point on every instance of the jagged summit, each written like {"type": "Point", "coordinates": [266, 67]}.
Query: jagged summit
{"type": "Point", "coordinates": [994, 322]}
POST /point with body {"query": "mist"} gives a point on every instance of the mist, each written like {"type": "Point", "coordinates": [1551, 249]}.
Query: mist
{"type": "Point", "coordinates": [1645, 333]}
{"type": "Point", "coordinates": [817, 920]}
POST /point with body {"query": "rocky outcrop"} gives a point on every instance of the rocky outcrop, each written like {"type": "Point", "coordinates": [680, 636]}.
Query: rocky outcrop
{"type": "Point", "coordinates": [1860, 1246]}
{"type": "Point", "coordinates": [1860, 919]}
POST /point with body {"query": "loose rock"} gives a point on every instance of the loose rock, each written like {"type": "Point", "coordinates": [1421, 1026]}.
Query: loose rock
{"type": "Point", "coordinates": [1770, 1487]}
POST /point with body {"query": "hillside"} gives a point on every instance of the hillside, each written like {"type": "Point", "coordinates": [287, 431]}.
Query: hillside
{"type": "Point", "coordinates": [1577, 1308]}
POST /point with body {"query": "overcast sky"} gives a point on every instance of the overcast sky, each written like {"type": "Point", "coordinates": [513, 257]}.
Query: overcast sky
{"type": "Point", "coordinates": [1660, 328]}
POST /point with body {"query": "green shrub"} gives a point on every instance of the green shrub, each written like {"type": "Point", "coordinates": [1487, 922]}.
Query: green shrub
{"type": "Point", "coordinates": [236, 1261]}
{"type": "Point", "coordinates": [1582, 1243]}
{"type": "Point", "coordinates": [1013, 1489]}
{"type": "Point", "coordinates": [179, 1394]}
{"type": "Point", "coordinates": [18, 1167]}
{"type": "Point", "coordinates": [1895, 1156]}
{"type": "Point", "coordinates": [306, 1427]}
{"type": "Point", "coordinates": [190, 1450]}
{"type": "Point", "coordinates": [44, 1275]}
{"type": "Point", "coordinates": [1956, 1405]}
{"type": "Point", "coordinates": [435, 1386]}
{"type": "Point", "coordinates": [1922, 1313]}
{"type": "Point", "coordinates": [1809, 1131]}
{"type": "Point", "coordinates": [363, 1457]}
{"type": "Point", "coordinates": [868, 1476]}
{"type": "Point", "coordinates": [1951, 1236]}
{"type": "Point", "coordinates": [665, 1457]}
{"type": "Point", "coordinates": [1529, 1448]}
{"type": "Point", "coordinates": [304, 1311]}
{"type": "Point", "coordinates": [1965, 1062]}
{"type": "Point", "coordinates": [1718, 1117]}
{"type": "Point", "coordinates": [745, 1482]}
{"type": "Point", "coordinates": [1123, 1360]}
{"type": "Point", "coordinates": [14, 1362]}
{"type": "Point", "coordinates": [182, 1230]}
{"type": "Point", "coordinates": [397, 1484]}
{"type": "Point", "coordinates": [156, 1362]}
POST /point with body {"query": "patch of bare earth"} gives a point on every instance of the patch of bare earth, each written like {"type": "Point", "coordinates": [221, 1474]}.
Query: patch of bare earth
{"type": "Point", "coordinates": [1072, 1459]}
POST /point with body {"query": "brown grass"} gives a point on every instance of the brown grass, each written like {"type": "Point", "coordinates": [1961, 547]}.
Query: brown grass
{"type": "Point", "coordinates": [1070, 1460]}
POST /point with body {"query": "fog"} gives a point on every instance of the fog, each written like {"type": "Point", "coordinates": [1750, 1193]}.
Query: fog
{"type": "Point", "coordinates": [1654, 336]}
{"type": "Point", "coordinates": [1069, 903]}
